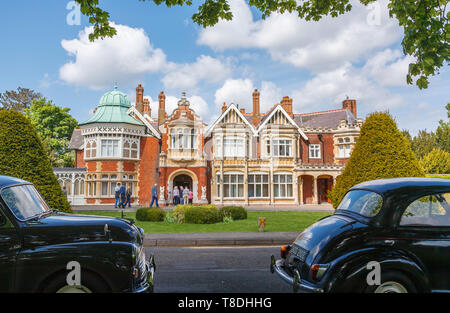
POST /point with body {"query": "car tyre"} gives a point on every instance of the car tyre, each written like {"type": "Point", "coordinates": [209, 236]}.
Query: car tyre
{"type": "Point", "coordinates": [393, 282]}
{"type": "Point", "coordinates": [90, 283]}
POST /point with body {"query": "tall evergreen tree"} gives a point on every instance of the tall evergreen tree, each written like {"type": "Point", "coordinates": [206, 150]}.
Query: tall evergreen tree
{"type": "Point", "coordinates": [423, 143]}
{"type": "Point", "coordinates": [381, 152]}
{"type": "Point", "coordinates": [22, 155]}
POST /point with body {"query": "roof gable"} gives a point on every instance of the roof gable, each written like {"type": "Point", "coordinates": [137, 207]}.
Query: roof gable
{"type": "Point", "coordinates": [231, 115]}
{"type": "Point", "coordinates": [279, 116]}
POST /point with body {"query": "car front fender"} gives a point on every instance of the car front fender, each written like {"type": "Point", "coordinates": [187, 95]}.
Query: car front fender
{"type": "Point", "coordinates": [111, 261]}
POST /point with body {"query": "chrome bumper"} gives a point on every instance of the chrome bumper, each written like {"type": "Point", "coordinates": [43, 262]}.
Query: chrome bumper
{"type": "Point", "coordinates": [277, 267]}
{"type": "Point", "coordinates": [148, 285]}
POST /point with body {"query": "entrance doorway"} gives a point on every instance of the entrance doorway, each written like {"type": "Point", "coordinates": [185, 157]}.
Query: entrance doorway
{"type": "Point", "coordinates": [324, 185]}
{"type": "Point", "coordinates": [183, 180]}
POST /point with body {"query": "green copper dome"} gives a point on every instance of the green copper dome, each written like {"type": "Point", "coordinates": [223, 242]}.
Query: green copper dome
{"type": "Point", "coordinates": [112, 108]}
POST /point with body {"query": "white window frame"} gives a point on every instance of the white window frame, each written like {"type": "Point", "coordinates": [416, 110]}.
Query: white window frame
{"type": "Point", "coordinates": [277, 143]}
{"type": "Point", "coordinates": [315, 151]}
{"type": "Point", "coordinates": [288, 186]}
{"type": "Point", "coordinates": [233, 147]}
{"type": "Point", "coordinates": [235, 182]}
{"type": "Point", "coordinates": [252, 184]}
{"type": "Point", "coordinates": [344, 151]}
{"type": "Point", "coordinates": [107, 144]}
{"type": "Point", "coordinates": [183, 138]}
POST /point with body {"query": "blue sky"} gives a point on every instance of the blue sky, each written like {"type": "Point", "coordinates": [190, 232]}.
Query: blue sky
{"type": "Point", "coordinates": [318, 64]}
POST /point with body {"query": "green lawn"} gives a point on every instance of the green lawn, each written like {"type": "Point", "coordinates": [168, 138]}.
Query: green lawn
{"type": "Point", "coordinates": [282, 221]}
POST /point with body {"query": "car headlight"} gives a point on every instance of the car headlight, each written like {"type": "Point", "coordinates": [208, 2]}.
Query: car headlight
{"type": "Point", "coordinates": [318, 270]}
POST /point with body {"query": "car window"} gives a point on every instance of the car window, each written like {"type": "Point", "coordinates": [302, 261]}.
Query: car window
{"type": "Point", "coordinates": [430, 210]}
{"type": "Point", "coordinates": [24, 201]}
{"type": "Point", "coordinates": [364, 202]}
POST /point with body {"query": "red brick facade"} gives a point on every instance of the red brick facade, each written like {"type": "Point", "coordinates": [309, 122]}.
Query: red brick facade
{"type": "Point", "coordinates": [162, 159]}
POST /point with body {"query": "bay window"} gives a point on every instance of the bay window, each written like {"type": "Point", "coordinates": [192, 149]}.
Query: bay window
{"type": "Point", "coordinates": [233, 147]}
{"type": "Point", "coordinates": [110, 148]}
{"type": "Point", "coordinates": [282, 147]}
{"type": "Point", "coordinates": [91, 149]}
{"type": "Point", "coordinates": [182, 138]}
{"type": "Point", "coordinates": [344, 151]}
{"type": "Point", "coordinates": [130, 149]}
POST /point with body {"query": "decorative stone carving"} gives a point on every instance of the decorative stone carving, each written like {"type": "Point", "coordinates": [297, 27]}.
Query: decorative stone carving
{"type": "Point", "coordinates": [161, 193]}
{"type": "Point", "coordinates": [203, 196]}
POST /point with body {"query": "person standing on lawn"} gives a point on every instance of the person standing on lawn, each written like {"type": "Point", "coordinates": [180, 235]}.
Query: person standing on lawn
{"type": "Point", "coordinates": [117, 195]}
{"type": "Point", "coordinates": [176, 195]}
{"type": "Point", "coordinates": [181, 195]}
{"type": "Point", "coordinates": [123, 196]}
{"type": "Point", "coordinates": [191, 196]}
{"type": "Point", "coordinates": [186, 195]}
{"type": "Point", "coordinates": [155, 195]}
{"type": "Point", "coordinates": [128, 198]}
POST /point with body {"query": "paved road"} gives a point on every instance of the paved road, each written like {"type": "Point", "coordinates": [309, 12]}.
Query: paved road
{"type": "Point", "coordinates": [215, 270]}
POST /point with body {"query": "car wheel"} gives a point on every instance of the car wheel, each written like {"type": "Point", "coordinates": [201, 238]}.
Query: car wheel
{"type": "Point", "coordinates": [393, 282]}
{"type": "Point", "coordinates": [89, 284]}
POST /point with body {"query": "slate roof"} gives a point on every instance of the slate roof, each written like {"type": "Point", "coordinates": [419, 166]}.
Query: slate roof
{"type": "Point", "coordinates": [325, 119]}
{"type": "Point", "coordinates": [76, 142]}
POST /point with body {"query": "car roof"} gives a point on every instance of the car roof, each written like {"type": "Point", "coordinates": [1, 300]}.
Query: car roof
{"type": "Point", "coordinates": [391, 185]}
{"type": "Point", "coordinates": [6, 181]}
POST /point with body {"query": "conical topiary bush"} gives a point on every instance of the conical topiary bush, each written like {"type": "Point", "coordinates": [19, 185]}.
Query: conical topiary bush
{"type": "Point", "coordinates": [22, 155]}
{"type": "Point", "coordinates": [380, 152]}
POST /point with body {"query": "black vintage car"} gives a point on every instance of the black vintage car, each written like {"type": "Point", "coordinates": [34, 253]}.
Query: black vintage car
{"type": "Point", "coordinates": [43, 250]}
{"type": "Point", "coordinates": [386, 236]}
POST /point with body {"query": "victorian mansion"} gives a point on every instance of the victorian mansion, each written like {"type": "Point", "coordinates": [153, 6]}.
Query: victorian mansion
{"type": "Point", "coordinates": [246, 158]}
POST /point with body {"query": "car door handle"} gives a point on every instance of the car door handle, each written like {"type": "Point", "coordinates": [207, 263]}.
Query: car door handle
{"type": "Point", "coordinates": [389, 242]}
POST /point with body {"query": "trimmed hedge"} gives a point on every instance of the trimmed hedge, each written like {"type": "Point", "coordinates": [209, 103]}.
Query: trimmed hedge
{"type": "Point", "coordinates": [381, 151]}
{"type": "Point", "coordinates": [150, 214]}
{"type": "Point", "coordinates": [208, 214]}
{"type": "Point", "coordinates": [23, 156]}
{"type": "Point", "coordinates": [236, 212]}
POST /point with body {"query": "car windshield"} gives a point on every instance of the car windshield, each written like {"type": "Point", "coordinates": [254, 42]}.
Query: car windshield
{"type": "Point", "coordinates": [363, 202]}
{"type": "Point", "coordinates": [24, 201]}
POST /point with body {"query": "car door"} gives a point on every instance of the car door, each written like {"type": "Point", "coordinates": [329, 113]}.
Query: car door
{"type": "Point", "coordinates": [424, 230]}
{"type": "Point", "coordinates": [10, 244]}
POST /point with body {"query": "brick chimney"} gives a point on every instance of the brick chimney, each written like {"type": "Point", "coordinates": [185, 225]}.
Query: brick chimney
{"type": "Point", "coordinates": [286, 103]}
{"type": "Point", "coordinates": [146, 107]}
{"type": "Point", "coordinates": [139, 98]}
{"type": "Point", "coordinates": [162, 108]}
{"type": "Point", "coordinates": [224, 107]}
{"type": "Point", "coordinates": [256, 115]}
{"type": "Point", "coordinates": [350, 104]}
{"type": "Point", "coordinates": [243, 111]}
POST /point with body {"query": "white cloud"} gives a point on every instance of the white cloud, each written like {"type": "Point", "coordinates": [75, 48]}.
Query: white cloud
{"type": "Point", "coordinates": [239, 91]}
{"type": "Point", "coordinates": [125, 58]}
{"type": "Point", "coordinates": [317, 46]}
{"type": "Point", "coordinates": [388, 67]}
{"type": "Point", "coordinates": [186, 76]}
{"type": "Point", "coordinates": [329, 89]}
